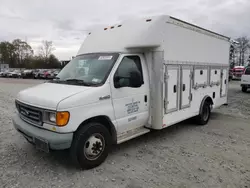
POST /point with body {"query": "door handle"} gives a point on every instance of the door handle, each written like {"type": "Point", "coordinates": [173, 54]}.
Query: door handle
{"type": "Point", "coordinates": [145, 98]}
{"type": "Point", "coordinates": [104, 97]}
{"type": "Point", "coordinates": [174, 88]}
{"type": "Point", "coordinates": [183, 87]}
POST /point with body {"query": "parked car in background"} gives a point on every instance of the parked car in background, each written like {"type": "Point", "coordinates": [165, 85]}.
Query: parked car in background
{"type": "Point", "coordinates": [35, 72]}
{"type": "Point", "coordinates": [48, 74]}
{"type": "Point", "coordinates": [9, 74]}
{"type": "Point", "coordinates": [245, 79]}
{"type": "Point", "coordinates": [14, 74]}
{"type": "Point", "coordinates": [4, 73]}
{"type": "Point", "coordinates": [39, 74]}
{"type": "Point", "coordinates": [55, 73]}
{"type": "Point", "coordinates": [27, 74]}
{"type": "Point", "coordinates": [30, 73]}
{"type": "Point", "coordinates": [237, 72]}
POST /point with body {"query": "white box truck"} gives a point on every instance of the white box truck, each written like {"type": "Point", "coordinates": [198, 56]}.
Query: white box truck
{"type": "Point", "coordinates": [127, 79]}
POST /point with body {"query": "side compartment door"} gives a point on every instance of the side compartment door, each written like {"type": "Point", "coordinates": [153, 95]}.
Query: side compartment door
{"type": "Point", "coordinates": [223, 89]}
{"type": "Point", "coordinates": [200, 77]}
{"type": "Point", "coordinates": [215, 74]}
{"type": "Point", "coordinates": [185, 88]}
{"type": "Point", "coordinates": [171, 88]}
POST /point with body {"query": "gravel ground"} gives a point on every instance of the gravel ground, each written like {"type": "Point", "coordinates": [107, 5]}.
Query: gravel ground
{"type": "Point", "coordinates": [183, 155]}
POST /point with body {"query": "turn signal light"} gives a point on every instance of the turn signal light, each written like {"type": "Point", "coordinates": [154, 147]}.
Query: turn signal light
{"type": "Point", "coordinates": [62, 118]}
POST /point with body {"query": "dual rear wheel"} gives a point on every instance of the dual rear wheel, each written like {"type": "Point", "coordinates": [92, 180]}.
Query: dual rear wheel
{"type": "Point", "coordinates": [204, 116]}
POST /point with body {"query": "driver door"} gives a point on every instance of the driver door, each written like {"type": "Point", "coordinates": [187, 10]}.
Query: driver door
{"type": "Point", "coordinates": [130, 103]}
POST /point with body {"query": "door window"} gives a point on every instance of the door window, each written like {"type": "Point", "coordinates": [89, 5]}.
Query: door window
{"type": "Point", "coordinates": [247, 72]}
{"type": "Point", "coordinates": [129, 72]}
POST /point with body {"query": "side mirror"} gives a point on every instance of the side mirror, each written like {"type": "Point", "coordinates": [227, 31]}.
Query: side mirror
{"type": "Point", "coordinates": [117, 82]}
{"type": "Point", "coordinates": [135, 79]}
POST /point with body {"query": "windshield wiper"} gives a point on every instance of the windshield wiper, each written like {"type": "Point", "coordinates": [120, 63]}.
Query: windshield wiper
{"type": "Point", "coordinates": [78, 81]}
{"type": "Point", "coordinates": [55, 80]}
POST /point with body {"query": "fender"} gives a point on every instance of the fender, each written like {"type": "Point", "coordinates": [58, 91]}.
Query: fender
{"type": "Point", "coordinates": [105, 120]}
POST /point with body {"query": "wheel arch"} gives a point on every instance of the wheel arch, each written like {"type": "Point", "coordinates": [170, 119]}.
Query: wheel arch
{"type": "Point", "coordinates": [208, 99]}
{"type": "Point", "coordinates": [105, 120]}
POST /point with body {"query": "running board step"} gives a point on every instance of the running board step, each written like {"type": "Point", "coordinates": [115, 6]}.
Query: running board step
{"type": "Point", "coordinates": [131, 134]}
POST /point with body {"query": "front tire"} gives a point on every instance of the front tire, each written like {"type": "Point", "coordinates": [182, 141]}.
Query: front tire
{"type": "Point", "coordinates": [90, 146]}
{"type": "Point", "coordinates": [204, 116]}
{"type": "Point", "coordinates": [243, 89]}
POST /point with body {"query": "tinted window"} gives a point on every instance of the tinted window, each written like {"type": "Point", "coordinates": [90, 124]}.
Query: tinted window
{"type": "Point", "coordinates": [128, 64]}
{"type": "Point", "coordinates": [247, 72]}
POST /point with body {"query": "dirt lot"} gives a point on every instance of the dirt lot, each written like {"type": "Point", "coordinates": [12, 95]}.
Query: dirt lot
{"type": "Point", "coordinates": [184, 155]}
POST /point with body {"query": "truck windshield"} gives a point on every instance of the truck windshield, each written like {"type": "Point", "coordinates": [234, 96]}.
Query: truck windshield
{"type": "Point", "coordinates": [88, 69]}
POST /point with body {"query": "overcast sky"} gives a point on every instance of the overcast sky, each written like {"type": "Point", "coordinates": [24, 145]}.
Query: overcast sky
{"type": "Point", "coordinates": [65, 22]}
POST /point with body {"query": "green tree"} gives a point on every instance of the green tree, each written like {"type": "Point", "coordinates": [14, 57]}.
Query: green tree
{"type": "Point", "coordinates": [53, 62]}
{"type": "Point", "coordinates": [7, 51]}
{"type": "Point", "coordinates": [232, 55]}
{"type": "Point", "coordinates": [23, 52]}
{"type": "Point", "coordinates": [37, 62]}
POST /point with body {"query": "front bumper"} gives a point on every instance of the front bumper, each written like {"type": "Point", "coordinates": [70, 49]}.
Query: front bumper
{"type": "Point", "coordinates": [245, 85]}
{"type": "Point", "coordinates": [236, 77]}
{"type": "Point", "coordinates": [57, 141]}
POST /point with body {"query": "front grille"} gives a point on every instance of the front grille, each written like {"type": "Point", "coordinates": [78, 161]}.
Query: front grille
{"type": "Point", "coordinates": [29, 113]}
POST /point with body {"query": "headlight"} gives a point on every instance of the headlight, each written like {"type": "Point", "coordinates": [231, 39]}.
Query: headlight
{"type": "Point", "coordinates": [52, 117]}
{"type": "Point", "coordinates": [56, 118]}
{"type": "Point", "coordinates": [49, 117]}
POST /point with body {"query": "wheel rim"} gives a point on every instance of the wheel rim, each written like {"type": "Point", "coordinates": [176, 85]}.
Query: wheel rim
{"type": "Point", "coordinates": [94, 146]}
{"type": "Point", "coordinates": [205, 113]}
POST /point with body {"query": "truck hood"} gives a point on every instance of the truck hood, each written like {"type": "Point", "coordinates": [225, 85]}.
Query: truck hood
{"type": "Point", "coordinates": [48, 95]}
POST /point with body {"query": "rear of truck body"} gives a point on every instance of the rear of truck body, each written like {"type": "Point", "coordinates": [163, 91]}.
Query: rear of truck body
{"type": "Point", "coordinates": [179, 69]}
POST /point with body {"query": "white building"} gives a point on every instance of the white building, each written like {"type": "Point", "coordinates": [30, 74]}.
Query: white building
{"type": "Point", "coordinates": [4, 67]}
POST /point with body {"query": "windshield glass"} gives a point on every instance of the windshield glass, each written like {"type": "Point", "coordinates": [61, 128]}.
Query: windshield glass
{"type": "Point", "coordinates": [92, 69]}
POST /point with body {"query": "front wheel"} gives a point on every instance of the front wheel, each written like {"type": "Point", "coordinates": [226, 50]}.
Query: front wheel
{"type": "Point", "coordinates": [90, 146]}
{"type": "Point", "coordinates": [204, 116]}
{"type": "Point", "coordinates": [244, 89]}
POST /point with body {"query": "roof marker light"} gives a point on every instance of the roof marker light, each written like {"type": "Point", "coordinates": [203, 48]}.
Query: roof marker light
{"type": "Point", "coordinates": [105, 28]}
{"type": "Point", "coordinates": [148, 20]}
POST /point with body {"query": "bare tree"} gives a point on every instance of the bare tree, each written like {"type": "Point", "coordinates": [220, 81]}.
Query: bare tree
{"type": "Point", "coordinates": [46, 49]}
{"type": "Point", "coordinates": [242, 47]}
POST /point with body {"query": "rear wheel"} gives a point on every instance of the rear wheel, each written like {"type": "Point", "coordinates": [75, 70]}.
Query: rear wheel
{"type": "Point", "coordinates": [244, 89]}
{"type": "Point", "coordinates": [204, 116]}
{"type": "Point", "coordinates": [91, 145]}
